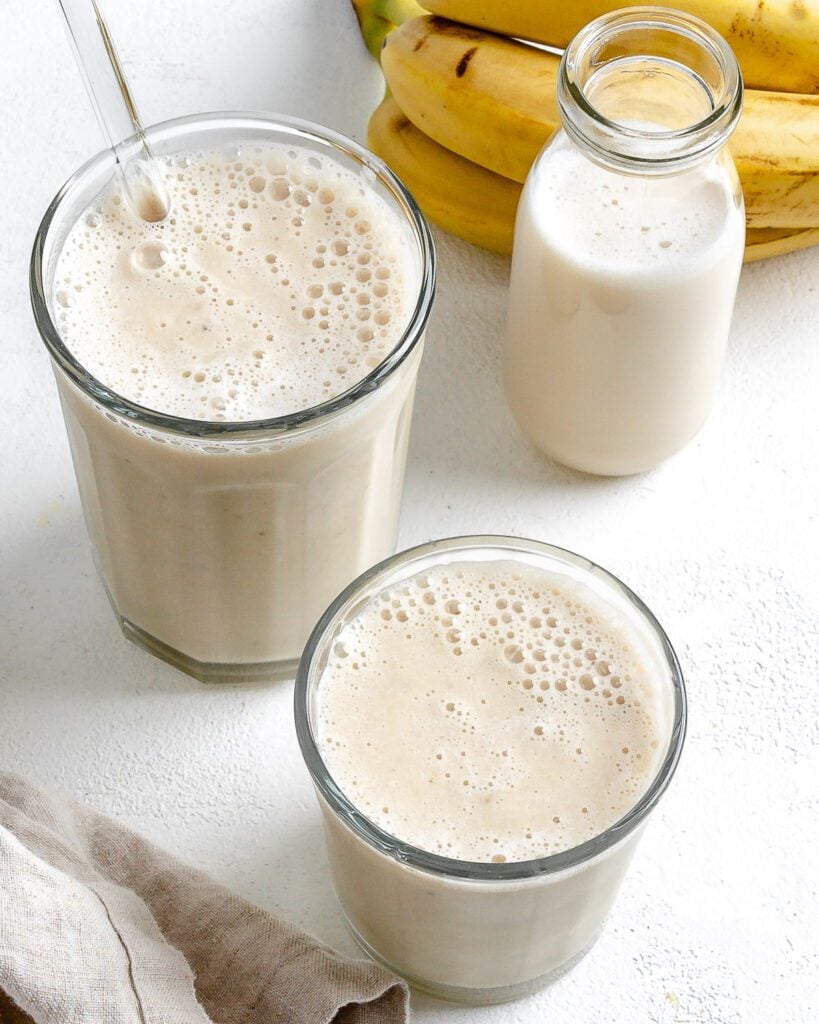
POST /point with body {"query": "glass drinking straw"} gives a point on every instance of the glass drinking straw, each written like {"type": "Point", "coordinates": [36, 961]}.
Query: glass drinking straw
{"type": "Point", "coordinates": [114, 106]}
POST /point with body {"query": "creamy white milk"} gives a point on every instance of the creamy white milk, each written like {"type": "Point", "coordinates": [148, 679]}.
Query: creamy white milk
{"type": "Point", "coordinates": [494, 713]}
{"type": "Point", "coordinates": [280, 280]}
{"type": "Point", "coordinates": [621, 296]}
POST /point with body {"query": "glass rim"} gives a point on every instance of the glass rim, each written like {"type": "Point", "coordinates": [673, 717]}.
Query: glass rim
{"type": "Point", "coordinates": [433, 863]}
{"type": "Point", "coordinates": [710, 131]}
{"type": "Point", "coordinates": [293, 422]}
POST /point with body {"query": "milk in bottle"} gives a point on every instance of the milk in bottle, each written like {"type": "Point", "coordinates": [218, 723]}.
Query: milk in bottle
{"type": "Point", "coordinates": [628, 247]}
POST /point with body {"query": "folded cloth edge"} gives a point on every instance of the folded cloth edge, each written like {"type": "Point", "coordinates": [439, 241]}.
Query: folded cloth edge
{"type": "Point", "coordinates": [249, 966]}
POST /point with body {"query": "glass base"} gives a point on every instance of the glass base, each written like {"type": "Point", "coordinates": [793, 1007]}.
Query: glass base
{"type": "Point", "coordinates": [475, 996]}
{"type": "Point", "coordinates": [209, 672]}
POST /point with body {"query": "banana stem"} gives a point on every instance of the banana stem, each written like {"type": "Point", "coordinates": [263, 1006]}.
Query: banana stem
{"type": "Point", "coordinates": [377, 18]}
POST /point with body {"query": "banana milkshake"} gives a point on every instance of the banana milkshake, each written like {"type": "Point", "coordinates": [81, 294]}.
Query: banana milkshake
{"type": "Point", "coordinates": [237, 383]}
{"type": "Point", "coordinates": [498, 717]}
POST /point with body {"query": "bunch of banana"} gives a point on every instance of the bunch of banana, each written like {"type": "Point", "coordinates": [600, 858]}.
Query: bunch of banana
{"type": "Point", "coordinates": [467, 111]}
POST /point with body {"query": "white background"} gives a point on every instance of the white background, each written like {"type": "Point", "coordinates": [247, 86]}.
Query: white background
{"type": "Point", "coordinates": [717, 920]}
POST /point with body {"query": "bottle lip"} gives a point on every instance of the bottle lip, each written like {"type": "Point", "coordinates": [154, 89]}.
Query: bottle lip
{"type": "Point", "coordinates": [629, 148]}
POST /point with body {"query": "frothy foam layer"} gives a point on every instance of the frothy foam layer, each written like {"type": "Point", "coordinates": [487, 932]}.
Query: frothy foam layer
{"type": "Point", "coordinates": [280, 280]}
{"type": "Point", "coordinates": [492, 712]}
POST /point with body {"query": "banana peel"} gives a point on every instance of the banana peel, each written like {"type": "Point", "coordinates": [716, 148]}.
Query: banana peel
{"type": "Point", "coordinates": [776, 41]}
{"type": "Point", "coordinates": [377, 18]}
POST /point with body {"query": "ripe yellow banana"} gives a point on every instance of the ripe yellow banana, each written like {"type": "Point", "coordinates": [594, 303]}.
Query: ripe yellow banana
{"type": "Point", "coordinates": [761, 243]}
{"type": "Point", "coordinates": [479, 205]}
{"type": "Point", "coordinates": [776, 41]}
{"type": "Point", "coordinates": [776, 150]}
{"type": "Point", "coordinates": [491, 100]}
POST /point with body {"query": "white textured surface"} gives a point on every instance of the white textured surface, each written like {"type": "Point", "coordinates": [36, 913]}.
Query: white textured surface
{"type": "Point", "coordinates": [717, 921]}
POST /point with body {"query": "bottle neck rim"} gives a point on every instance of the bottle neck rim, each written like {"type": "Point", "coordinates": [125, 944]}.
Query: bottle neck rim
{"type": "Point", "coordinates": [654, 34]}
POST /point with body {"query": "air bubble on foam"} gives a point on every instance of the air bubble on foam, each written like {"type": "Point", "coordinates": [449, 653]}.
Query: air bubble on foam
{"type": "Point", "coordinates": [150, 256]}
{"type": "Point", "coordinates": [514, 653]}
{"type": "Point", "coordinates": [280, 189]}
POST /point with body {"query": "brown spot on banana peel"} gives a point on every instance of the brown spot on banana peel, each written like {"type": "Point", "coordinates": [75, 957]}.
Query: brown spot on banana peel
{"type": "Point", "coordinates": [463, 63]}
{"type": "Point", "coordinates": [454, 28]}
{"type": "Point", "coordinates": [793, 187]}
{"type": "Point", "coordinates": [798, 11]}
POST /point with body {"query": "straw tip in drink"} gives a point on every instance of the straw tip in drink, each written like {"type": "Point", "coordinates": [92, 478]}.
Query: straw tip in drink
{"type": "Point", "coordinates": [151, 207]}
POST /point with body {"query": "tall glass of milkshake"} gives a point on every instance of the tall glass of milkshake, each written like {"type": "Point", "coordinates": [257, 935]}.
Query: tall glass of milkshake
{"type": "Point", "coordinates": [237, 380]}
{"type": "Point", "coordinates": [489, 723]}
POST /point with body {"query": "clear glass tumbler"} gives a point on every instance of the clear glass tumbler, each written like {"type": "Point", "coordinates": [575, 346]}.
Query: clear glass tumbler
{"type": "Point", "coordinates": [219, 543]}
{"type": "Point", "coordinates": [628, 246]}
{"type": "Point", "coordinates": [477, 932]}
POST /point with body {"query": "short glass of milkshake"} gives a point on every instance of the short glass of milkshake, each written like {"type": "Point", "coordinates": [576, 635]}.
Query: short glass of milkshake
{"type": "Point", "coordinates": [237, 380]}
{"type": "Point", "coordinates": [489, 723]}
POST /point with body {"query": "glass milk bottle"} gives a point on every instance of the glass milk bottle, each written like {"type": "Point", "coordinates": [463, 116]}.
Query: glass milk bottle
{"type": "Point", "coordinates": [628, 246]}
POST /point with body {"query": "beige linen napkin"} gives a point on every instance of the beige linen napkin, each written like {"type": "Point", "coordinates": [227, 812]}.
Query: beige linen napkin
{"type": "Point", "coordinates": [98, 926]}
